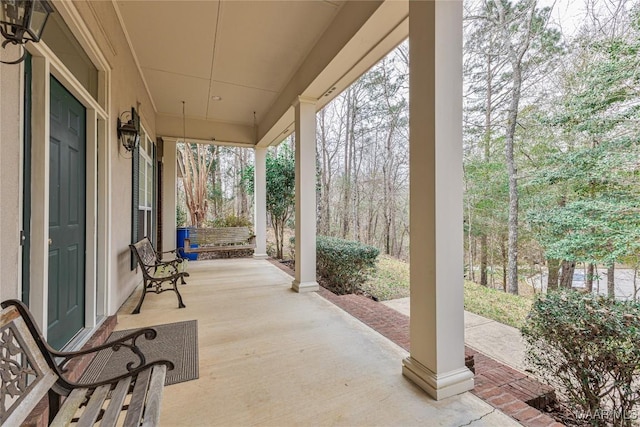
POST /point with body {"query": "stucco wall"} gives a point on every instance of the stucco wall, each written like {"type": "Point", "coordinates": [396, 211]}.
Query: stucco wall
{"type": "Point", "coordinates": [10, 147]}
{"type": "Point", "coordinates": [127, 90]}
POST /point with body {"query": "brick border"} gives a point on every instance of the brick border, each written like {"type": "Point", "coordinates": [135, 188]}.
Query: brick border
{"type": "Point", "coordinates": [501, 386]}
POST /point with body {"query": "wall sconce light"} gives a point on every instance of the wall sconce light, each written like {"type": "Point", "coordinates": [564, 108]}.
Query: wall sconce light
{"type": "Point", "coordinates": [22, 21]}
{"type": "Point", "coordinates": [129, 131]}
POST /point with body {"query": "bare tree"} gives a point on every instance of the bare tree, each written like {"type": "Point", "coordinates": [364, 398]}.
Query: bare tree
{"type": "Point", "coordinates": [525, 39]}
{"type": "Point", "coordinates": [195, 166]}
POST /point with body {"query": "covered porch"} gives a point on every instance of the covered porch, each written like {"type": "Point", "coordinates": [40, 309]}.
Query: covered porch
{"type": "Point", "coordinates": [271, 83]}
{"type": "Point", "coordinates": [270, 356]}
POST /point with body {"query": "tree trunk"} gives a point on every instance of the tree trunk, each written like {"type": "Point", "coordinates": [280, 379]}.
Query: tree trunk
{"type": "Point", "coordinates": [611, 285]}
{"type": "Point", "coordinates": [516, 57]}
{"type": "Point", "coordinates": [483, 260]}
{"type": "Point", "coordinates": [244, 199]}
{"type": "Point", "coordinates": [566, 279]}
{"type": "Point", "coordinates": [505, 260]}
{"type": "Point", "coordinates": [512, 276]}
{"type": "Point", "coordinates": [350, 130]}
{"type": "Point", "coordinates": [276, 232]}
{"type": "Point", "coordinates": [588, 281]}
{"type": "Point", "coordinates": [324, 219]}
{"type": "Point", "coordinates": [487, 154]}
{"type": "Point", "coordinates": [553, 265]}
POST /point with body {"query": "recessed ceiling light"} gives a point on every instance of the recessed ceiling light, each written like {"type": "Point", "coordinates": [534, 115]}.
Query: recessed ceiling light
{"type": "Point", "coordinates": [216, 98]}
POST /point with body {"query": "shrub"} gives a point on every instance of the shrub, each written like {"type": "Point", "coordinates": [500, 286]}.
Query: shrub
{"type": "Point", "coordinates": [344, 264]}
{"type": "Point", "coordinates": [231, 221]}
{"type": "Point", "coordinates": [181, 216]}
{"type": "Point", "coordinates": [586, 347]}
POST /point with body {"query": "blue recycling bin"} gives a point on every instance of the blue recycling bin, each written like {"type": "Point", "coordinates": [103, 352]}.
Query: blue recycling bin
{"type": "Point", "coordinates": [183, 233]}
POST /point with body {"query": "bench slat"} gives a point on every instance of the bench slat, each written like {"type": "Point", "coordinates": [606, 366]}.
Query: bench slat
{"type": "Point", "coordinates": [154, 397]}
{"type": "Point", "coordinates": [136, 406]}
{"type": "Point", "coordinates": [69, 407]}
{"type": "Point", "coordinates": [219, 248]}
{"type": "Point", "coordinates": [219, 239]}
{"type": "Point", "coordinates": [112, 413]}
{"type": "Point", "coordinates": [92, 411]}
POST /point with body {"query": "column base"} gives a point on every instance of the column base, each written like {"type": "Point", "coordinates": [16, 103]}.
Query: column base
{"type": "Point", "coordinates": [438, 386]}
{"type": "Point", "coordinates": [305, 286]}
{"type": "Point", "coordinates": [260, 256]}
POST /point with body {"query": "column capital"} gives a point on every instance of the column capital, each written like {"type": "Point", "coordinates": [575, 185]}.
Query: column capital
{"type": "Point", "coordinates": [170, 139]}
{"type": "Point", "coordinates": [304, 100]}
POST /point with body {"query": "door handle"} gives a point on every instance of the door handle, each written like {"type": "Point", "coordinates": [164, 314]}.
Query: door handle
{"type": "Point", "coordinates": [50, 242]}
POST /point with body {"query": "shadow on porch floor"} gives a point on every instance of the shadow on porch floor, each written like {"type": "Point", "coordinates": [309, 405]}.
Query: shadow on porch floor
{"type": "Point", "coordinates": [269, 356]}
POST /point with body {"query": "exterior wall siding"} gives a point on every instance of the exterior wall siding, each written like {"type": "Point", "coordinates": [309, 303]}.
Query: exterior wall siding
{"type": "Point", "coordinates": [10, 160]}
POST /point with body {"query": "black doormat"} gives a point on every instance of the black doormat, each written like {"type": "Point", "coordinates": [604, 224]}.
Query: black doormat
{"type": "Point", "coordinates": [177, 342]}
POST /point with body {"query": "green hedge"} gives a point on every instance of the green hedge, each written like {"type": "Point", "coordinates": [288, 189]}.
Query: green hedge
{"type": "Point", "coordinates": [230, 221]}
{"type": "Point", "coordinates": [344, 264]}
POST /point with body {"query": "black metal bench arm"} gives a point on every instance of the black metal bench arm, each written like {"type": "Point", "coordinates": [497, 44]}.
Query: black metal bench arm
{"type": "Point", "coordinates": [179, 259]}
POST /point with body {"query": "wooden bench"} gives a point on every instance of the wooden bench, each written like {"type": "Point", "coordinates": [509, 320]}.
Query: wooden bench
{"type": "Point", "coordinates": [219, 239]}
{"type": "Point", "coordinates": [32, 370]}
{"type": "Point", "coordinates": [156, 272]}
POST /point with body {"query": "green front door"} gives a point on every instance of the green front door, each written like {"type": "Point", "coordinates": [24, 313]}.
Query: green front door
{"type": "Point", "coordinates": [67, 176]}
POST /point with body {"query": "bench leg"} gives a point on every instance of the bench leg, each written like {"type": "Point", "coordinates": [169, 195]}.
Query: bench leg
{"type": "Point", "coordinates": [144, 293]}
{"type": "Point", "coordinates": [175, 289]}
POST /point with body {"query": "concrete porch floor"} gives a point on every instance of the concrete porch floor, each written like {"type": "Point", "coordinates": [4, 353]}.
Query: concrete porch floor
{"type": "Point", "coordinates": [270, 356]}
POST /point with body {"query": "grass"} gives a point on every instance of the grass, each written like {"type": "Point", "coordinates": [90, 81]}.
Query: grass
{"type": "Point", "coordinates": [502, 307]}
{"type": "Point", "coordinates": [391, 281]}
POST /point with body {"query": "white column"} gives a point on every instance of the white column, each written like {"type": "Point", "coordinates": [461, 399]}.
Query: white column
{"type": "Point", "coordinates": [260, 202]}
{"type": "Point", "coordinates": [305, 135]}
{"type": "Point", "coordinates": [169, 193]}
{"type": "Point", "coordinates": [436, 363]}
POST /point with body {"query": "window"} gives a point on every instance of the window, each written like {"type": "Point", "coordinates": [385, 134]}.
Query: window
{"type": "Point", "coordinates": [61, 41]}
{"type": "Point", "coordinates": [143, 203]}
{"type": "Point", "coordinates": [145, 188]}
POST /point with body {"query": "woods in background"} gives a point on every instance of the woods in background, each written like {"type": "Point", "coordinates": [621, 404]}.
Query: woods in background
{"type": "Point", "coordinates": [557, 122]}
{"type": "Point", "coordinates": [551, 149]}
{"type": "Point", "coordinates": [210, 185]}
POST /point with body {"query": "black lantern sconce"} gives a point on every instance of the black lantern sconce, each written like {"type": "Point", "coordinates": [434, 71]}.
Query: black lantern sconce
{"type": "Point", "coordinates": [129, 131]}
{"type": "Point", "coordinates": [22, 21]}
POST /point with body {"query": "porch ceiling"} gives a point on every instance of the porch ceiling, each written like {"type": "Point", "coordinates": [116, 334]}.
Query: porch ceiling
{"type": "Point", "coordinates": [258, 56]}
